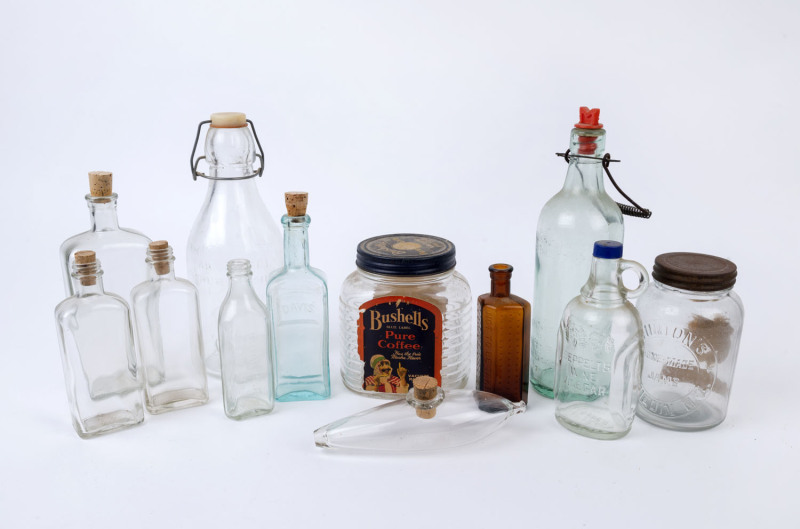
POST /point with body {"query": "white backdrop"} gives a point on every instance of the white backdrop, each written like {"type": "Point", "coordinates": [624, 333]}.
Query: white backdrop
{"type": "Point", "coordinates": [432, 117]}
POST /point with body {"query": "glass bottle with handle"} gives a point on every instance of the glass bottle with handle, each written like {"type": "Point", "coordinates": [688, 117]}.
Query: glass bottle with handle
{"type": "Point", "coordinates": [569, 224]}
{"type": "Point", "coordinates": [233, 222]}
{"type": "Point", "coordinates": [297, 298]}
{"type": "Point", "coordinates": [120, 249]}
{"type": "Point", "coordinates": [600, 348]}
{"type": "Point", "coordinates": [101, 369]}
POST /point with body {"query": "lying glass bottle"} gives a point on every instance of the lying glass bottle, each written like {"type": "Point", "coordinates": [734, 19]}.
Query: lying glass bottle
{"type": "Point", "coordinates": [428, 419]}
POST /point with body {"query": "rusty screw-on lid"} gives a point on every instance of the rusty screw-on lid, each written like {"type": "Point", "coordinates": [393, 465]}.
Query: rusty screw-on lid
{"type": "Point", "coordinates": [694, 271]}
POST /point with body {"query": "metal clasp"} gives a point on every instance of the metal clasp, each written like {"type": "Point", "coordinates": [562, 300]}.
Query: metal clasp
{"type": "Point", "coordinates": [634, 210]}
{"type": "Point", "coordinates": [194, 163]}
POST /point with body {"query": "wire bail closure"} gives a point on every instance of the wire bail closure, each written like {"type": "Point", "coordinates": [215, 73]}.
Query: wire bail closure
{"type": "Point", "coordinates": [194, 163]}
{"type": "Point", "coordinates": [634, 210]}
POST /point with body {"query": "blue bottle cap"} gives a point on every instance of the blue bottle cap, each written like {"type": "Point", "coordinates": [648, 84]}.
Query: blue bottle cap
{"type": "Point", "coordinates": [607, 250]}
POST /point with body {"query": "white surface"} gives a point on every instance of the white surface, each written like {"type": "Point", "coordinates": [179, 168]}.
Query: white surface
{"type": "Point", "coordinates": [435, 117]}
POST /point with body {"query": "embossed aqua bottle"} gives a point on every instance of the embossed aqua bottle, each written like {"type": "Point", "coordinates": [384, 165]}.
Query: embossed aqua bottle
{"type": "Point", "coordinates": [297, 298]}
{"type": "Point", "coordinates": [599, 352]}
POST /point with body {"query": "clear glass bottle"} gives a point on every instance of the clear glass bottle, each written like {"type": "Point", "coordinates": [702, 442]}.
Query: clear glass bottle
{"type": "Point", "coordinates": [429, 418]}
{"type": "Point", "coordinates": [168, 333]}
{"type": "Point", "coordinates": [692, 322]}
{"type": "Point", "coordinates": [100, 366]}
{"type": "Point", "coordinates": [405, 312]}
{"type": "Point", "coordinates": [247, 374]}
{"type": "Point", "coordinates": [569, 224]}
{"type": "Point", "coordinates": [297, 298]}
{"type": "Point", "coordinates": [504, 338]}
{"type": "Point", "coordinates": [233, 222]}
{"type": "Point", "coordinates": [599, 356]}
{"type": "Point", "coordinates": [120, 249]}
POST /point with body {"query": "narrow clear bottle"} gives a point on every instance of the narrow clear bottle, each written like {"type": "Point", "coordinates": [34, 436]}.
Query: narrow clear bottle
{"type": "Point", "coordinates": [297, 298]}
{"type": "Point", "coordinates": [168, 333]}
{"type": "Point", "coordinates": [233, 222]}
{"type": "Point", "coordinates": [119, 249]}
{"type": "Point", "coordinates": [101, 370]}
{"type": "Point", "coordinates": [569, 224]}
{"type": "Point", "coordinates": [599, 357]}
{"type": "Point", "coordinates": [428, 418]}
{"type": "Point", "coordinates": [247, 374]}
{"type": "Point", "coordinates": [504, 338]}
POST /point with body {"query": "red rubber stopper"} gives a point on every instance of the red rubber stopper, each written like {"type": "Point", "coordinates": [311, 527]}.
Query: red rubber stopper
{"type": "Point", "coordinates": [589, 119]}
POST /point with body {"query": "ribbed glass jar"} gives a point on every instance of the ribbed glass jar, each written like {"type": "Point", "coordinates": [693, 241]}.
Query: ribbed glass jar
{"type": "Point", "coordinates": [405, 312]}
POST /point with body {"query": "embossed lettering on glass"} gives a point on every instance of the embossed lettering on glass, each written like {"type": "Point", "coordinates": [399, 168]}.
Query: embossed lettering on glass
{"type": "Point", "coordinates": [599, 355]}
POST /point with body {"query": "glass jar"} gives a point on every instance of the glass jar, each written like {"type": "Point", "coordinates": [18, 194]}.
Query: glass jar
{"type": "Point", "coordinates": [692, 322]}
{"type": "Point", "coordinates": [405, 312]}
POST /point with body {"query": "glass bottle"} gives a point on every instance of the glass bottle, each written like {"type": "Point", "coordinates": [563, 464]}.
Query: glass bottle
{"type": "Point", "coordinates": [247, 373]}
{"type": "Point", "coordinates": [168, 333]}
{"type": "Point", "coordinates": [233, 222]}
{"type": "Point", "coordinates": [405, 312]}
{"type": "Point", "coordinates": [692, 321]}
{"type": "Point", "coordinates": [504, 338]}
{"type": "Point", "coordinates": [100, 365]}
{"type": "Point", "coordinates": [428, 418]}
{"type": "Point", "coordinates": [297, 298]}
{"type": "Point", "coordinates": [569, 224]}
{"type": "Point", "coordinates": [120, 249]}
{"type": "Point", "coordinates": [599, 357]}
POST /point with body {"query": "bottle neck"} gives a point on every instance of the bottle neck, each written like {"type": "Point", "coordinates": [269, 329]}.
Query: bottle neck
{"type": "Point", "coordinates": [585, 171]}
{"type": "Point", "coordinates": [160, 264]}
{"type": "Point", "coordinates": [240, 274]}
{"type": "Point", "coordinates": [295, 241]}
{"type": "Point", "coordinates": [103, 212]}
{"type": "Point", "coordinates": [603, 283]}
{"type": "Point", "coordinates": [501, 283]}
{"type": "Point", "coordinates": [87, 279]}
{"type": "Point", "coordinates": [230, 152]}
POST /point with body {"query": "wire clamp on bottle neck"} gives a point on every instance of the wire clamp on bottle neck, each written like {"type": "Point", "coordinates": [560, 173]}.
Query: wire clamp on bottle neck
{"type": "Point", "coordinates": [194, 163]}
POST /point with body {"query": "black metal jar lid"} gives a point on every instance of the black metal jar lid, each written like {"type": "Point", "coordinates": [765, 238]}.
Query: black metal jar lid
{"type": "Point", "coordinates": [694, 271]}
{"type": "Point", "coordinates": [406, 254]}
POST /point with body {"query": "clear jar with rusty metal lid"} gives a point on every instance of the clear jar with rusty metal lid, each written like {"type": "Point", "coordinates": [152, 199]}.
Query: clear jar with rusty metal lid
{"type": "Point", "coordinates": [692, 322]}
{"type": "Point", "coordinates": [405, 312]}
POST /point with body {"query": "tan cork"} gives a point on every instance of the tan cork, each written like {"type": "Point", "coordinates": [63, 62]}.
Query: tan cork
{"type": "Point", "coordinates": [425, 389]}
{"type": "Point", "coordinates": [228, 120]}
{"type": "Point", "coordinates": [296, 203]}
{"type": "Point", "coordinates": [159, 253]}
{"type": "Point", "coordinates": [100, 183]}
{"type": "Point", "coordinates": [87, 257]}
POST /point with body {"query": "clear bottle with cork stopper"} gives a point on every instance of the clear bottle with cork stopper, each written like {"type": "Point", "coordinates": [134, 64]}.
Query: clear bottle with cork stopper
{"type": "Point", "coordinates": [101, 369]}
{"type": "Point", "coordinates": [233, 222]}
{"type": "Point", "coordinates": [120, 249]}
{"type": "Point", "coordinates": [168, 333]}
{"type": "Point", "coordinates": [504, 338]}
{"type": "Point", "coordinates": [297, 298]}
{"type": "Point", "coordinates": [569, 224]}
{"type": "Point", "coordinates": [429, 418]}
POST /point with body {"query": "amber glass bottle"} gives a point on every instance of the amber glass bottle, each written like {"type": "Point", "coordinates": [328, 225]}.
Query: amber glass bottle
{"type": "Point", "coordinates": [504, 333]}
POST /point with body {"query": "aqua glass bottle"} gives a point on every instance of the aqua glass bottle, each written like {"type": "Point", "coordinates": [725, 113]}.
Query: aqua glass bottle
{"type": "Point", "coordinates": [245, 357]}
{"type": "Point", "coordinates": [297, 298]}
{"type": "Point", "coordinates": [600, 348]}
{"type": "Point", "coordinates": [569, 224]}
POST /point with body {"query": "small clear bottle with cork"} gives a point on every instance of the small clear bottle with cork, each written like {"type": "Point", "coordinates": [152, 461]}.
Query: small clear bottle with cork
{"type": "Point", "coordinates": [168, 333]}
{"type": "Point", "coordinates": [297, 298]}
{"type": "Point", "coordinates": [101, 369]}
{"type": "Point", "coordinates": [119, 249]}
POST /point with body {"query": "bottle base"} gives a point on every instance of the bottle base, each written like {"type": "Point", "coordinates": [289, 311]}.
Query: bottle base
{"type": "Point", "coordinates": [247, 408]}
{"type": "Point", "coordinates": [108, 423]}
{"type": "Point", "coordinates": [544, 391]}
{"type": "Point", "coordinates": [299, 395]}
{"type": "Point", "coordinates": [582, 429]}
{"type": "Point", "coordinates": [697, 422]}
{"type": "Point", "coordinates": [176, 400]}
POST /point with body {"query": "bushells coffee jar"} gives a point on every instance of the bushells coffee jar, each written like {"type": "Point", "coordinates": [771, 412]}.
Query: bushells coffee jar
{"type": "Point", "coordinates": [692, 322]}
{"type": "Point", "coordinates": [404, 313]}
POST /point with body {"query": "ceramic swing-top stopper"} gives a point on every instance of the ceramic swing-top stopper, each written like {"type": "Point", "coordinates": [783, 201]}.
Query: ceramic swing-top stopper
{"type": "Point", "coordinates": [228, 120]}
{"type": "Point", "coordinates": [296, 203]}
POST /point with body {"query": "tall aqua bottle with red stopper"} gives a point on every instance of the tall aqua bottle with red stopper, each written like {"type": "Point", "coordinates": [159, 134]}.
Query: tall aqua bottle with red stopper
{"type": "Point", "coordinates": [569, 224]}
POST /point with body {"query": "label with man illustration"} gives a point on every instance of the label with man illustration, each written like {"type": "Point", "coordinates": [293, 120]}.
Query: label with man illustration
{"type": "Point", "coordinates": [399, 339]}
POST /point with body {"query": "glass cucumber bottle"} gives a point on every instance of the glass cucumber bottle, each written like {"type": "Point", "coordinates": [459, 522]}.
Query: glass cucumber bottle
{"type": "Point", "coordinates": [569, 224]}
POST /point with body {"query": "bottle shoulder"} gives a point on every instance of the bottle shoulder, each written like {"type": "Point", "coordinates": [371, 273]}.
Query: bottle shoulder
{"type": "Point", "coordinates": [106, 302]}
{"type": "Point", "coordinates": [175, 285]}
{"type": "Point", "coordinates": [291, 277]}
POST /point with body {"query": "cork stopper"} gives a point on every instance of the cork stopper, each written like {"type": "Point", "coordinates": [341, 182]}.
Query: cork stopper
{"type": "Point", "coordinates": [85, 267]}
{"type": "Point", "coordinates": [296, 203]}
{"type": "Point", "coordinates": [425, 389]}
{"type": "Point", "coordinates": [100, 183]}
{"type": "Point", "coordinates": [161, 256]}
{"type": "Point", "coordinates": [228, 120]}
